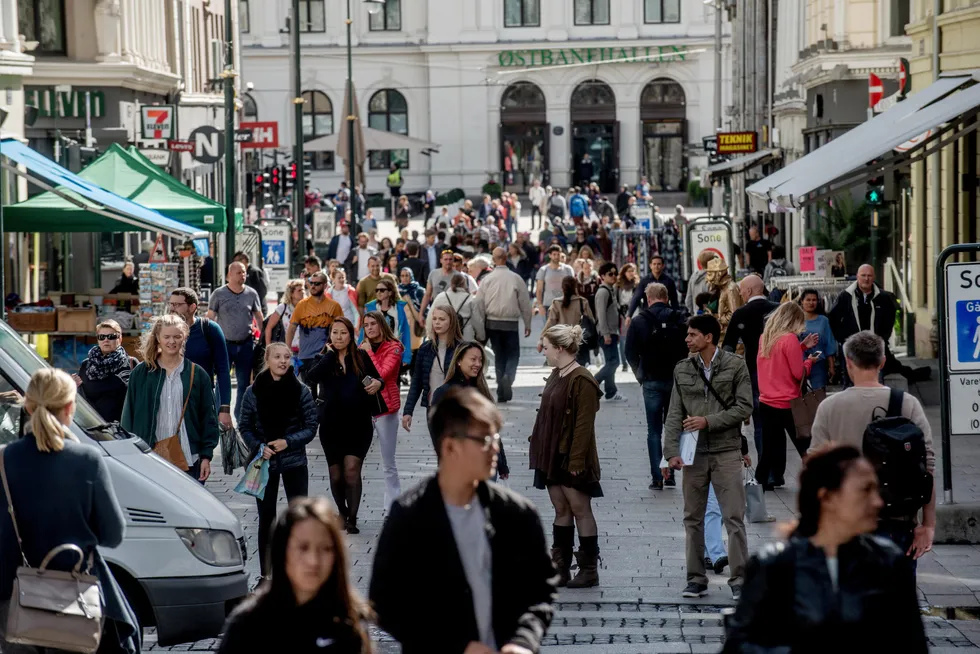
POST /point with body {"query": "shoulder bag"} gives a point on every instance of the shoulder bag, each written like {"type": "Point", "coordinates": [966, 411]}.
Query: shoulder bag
{"type": "Point", "coordinates": [590, 335]}
{"type": "Point", "coordinates": [169, 448]}
{"type": "Point", "coordinates": [804, 408]}
{"type": "Point", "coordinates": [52, 608]}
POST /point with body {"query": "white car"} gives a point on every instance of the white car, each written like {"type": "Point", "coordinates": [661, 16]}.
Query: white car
{"type": "Point", "coordinates": [182, 561]}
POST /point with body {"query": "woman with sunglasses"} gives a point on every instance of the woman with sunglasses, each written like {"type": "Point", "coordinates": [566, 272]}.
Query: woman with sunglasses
{"type": "Point", "coordinates": [395, 312]}
{"type": "Point", "coordinates": [103, 377]}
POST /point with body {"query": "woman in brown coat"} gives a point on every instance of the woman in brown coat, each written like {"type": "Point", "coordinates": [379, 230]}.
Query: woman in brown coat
{"type": "Point", "coordinates": [564, 456]}
{"type": "Point", "coordinates": [568, 310]}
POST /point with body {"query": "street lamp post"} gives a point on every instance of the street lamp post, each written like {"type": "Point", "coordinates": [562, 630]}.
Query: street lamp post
{"type": "Point", "coordinates": [374, 6]}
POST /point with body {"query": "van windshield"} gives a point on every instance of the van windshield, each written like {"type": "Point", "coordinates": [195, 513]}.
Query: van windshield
{"type": "Point", "coordinates": [23, 355]}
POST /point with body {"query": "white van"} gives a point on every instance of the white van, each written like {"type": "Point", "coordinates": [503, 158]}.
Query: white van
{"type": "Point", "coordinates": [182, 561]}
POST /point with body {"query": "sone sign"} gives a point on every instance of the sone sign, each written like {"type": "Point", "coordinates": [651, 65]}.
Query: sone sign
{"type": "Point", "coordinates": [963, 329]}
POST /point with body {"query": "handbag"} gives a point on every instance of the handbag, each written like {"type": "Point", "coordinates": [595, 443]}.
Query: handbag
{"type": "Point", "coordinates": [804, 408]}
{"type": "Point", "coordinates": [234, 451]}
{"type": "Point", "coordinates": [256, 477]}
{"type": "Point", "coordinates": [590, 335]}
{"type": "Point", "coordinates": [755, 499]}
{"type": "Point", "coordinates": [53, 608]}
{"type": "Point", "coordinates": [169, 448]}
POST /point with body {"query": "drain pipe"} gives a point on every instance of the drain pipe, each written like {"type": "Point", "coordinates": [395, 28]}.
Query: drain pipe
{"type": "Point", "coordinates": [935, 172]}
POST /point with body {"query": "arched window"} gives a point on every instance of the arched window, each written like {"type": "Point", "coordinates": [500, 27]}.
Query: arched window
{"type": "Point", "coordinates": [317, 115]}
{"type": "Point", "coordinates": [249, 109]}
{"type": "Point", "coordinates": [662, 98]}
{"type": "Point", "coordinates": [663, 111]}
{"type": "Point", "coordinates": [523, 102]}
{"type": "Point", "coordinates": [388, 112]}
{"type": "Point", "coordinates": [593, 100]}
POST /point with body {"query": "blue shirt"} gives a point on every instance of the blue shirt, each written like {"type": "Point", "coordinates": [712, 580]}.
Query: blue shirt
{"type": "Point", "coordinates": [827, 345]}
{"type": "Point", "coordinates": [210, 351]}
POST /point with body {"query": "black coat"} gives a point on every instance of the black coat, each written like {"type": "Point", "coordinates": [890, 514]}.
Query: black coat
{"type": "Point", "coordinates": [108, 395]}
{"type": "Point", "coordinates": [639, 300]}
{"type": "Point", "coordinates": [418, 266]}
{"type": "Point", "coordinates": [747, 324]}
{"type": "Point", "coordinates": [653, 359]}
{"type": "Point", "coordinates": [844, 322]}
{"type": "Point", "coordinates": [789, 605]}
{"type": "Point", "coordinates": [126, 285]}
{"type": "Point", "coordinates": [417, 552]}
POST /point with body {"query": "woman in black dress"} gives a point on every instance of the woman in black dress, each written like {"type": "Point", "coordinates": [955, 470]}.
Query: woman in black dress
{"type": "Point", "coordinates": [563, 454]}
{"type": "Point", "coordinates": [348, 387]}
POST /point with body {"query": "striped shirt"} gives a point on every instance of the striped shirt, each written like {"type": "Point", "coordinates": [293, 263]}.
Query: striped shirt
{"type": "Point", "coordinates": [171, 405]}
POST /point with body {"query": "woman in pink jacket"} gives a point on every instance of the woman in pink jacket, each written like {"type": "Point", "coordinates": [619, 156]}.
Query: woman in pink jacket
{"type": "Point", "coordinates": [782, 368]}
{"type": "Point", "coordinates": [386, 354]}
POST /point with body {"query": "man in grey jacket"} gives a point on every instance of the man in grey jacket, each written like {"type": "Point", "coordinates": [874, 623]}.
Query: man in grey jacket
{"type": "Point", "coordinates": [607, 323]}
{"type": "Point", "coordinates": [712, 396]}
{"type": "Point", "coordinates": [504, 299]}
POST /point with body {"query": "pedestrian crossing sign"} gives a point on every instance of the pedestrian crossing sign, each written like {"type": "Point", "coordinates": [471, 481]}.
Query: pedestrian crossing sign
{"type": "Point", "coordinates": [968, 331]}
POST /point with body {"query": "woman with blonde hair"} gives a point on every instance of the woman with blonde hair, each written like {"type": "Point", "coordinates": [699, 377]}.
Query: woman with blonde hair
{"type": "Point", "coordinates": [308, 603]}
{"type": "Point", "coordinates": [278, 419]}
{"type": "Point", "coordinates": [295, 291]}
{"type": "Point", "coordinates": [60, 492]}
{"type": "Point", "coordinates": [432, 360]}
{"type": "Point", "coordinates": [782, 368]}
{"type": "Point", "coordinates": [170, 400]}
{"type": "Point", "coordinates": [104, 374]}
{"type": "Point", "coordinates": [403, 212]}
{"type": "Point", "coordinates": [564, 457]}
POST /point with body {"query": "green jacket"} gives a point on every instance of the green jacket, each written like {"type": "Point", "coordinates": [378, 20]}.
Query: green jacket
{"type": "Point", "coordinates": [730, 379]}
{"type": "Point", "coordinates": [142, 404]}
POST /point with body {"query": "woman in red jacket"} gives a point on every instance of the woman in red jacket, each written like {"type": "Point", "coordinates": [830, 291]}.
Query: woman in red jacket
{"type": "Point", "coordinates": [385, 351]}
{"type": "Point", "coordinates": [782, 368]}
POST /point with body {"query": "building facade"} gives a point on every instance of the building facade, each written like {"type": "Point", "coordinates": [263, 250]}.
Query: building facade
{"type": "Point", "coordinates": [510, 90]}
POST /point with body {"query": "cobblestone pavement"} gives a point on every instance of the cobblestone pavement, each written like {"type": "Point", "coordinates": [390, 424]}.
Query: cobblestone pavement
{"type": "Point", "coordinates": [637, 607]}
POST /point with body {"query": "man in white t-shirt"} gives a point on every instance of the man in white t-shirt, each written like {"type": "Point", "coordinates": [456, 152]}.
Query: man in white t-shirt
{"type": "Point", "coordinates": [361, 256]}
{"type": "Point", "coordinates": [549, 277]}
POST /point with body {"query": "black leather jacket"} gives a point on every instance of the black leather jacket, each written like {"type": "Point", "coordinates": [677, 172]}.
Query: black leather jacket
{"type": "Point", "coordinates": [789, 605]}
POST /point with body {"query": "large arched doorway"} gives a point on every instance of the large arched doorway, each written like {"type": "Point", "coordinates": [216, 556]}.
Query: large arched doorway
{"type": "Point", "coordinates": [523, 136]}
{"type": "Point", "coordinates": [595, 135]}
{"type": "Point", "coordinates": [663, 112]}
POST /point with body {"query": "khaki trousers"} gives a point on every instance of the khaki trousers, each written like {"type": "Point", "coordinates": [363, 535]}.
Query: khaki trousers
{"type": "Point", "coordinates": [724, 471]}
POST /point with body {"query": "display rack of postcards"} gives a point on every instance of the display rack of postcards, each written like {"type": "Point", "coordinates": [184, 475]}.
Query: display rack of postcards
{"type": "Point", "coordinates": [188, 264]}
{"type": "Point", "coordinates": [157, 280]}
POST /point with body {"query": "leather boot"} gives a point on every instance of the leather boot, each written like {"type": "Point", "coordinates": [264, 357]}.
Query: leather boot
{"type": "Point", "coordinates": [588, 570]}
{"type": "Point", "coordinates": [561, 552]}
{"type": "Point", "coordinates": [563, 565]}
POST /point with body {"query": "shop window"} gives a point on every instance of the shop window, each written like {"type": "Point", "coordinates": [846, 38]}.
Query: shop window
{"type": "Point", "coordinates": [319, 160]}
{"type": "Point", "coordinates": [522, 13]}
{"type": "Point", "coordinates": [43, 21]}
{"type": "Point", "coordinates": [382, 159]}
{"type": "Point", "coordinates": [661, 11]}
{"type": "Point", "coordinates": [317, 115]}
{"type": "Point", "coordinates": [250, 111]}
{"type": "Point", "coordinates": [899, 17]}
{"type": "Point", "coordinates": [593, 93]}
{"type": "Point", "coordinates": [243, 17]}
{"type": "Point", "coordinates": [523, 95]}
{"type": "Point", "coordinates": [312, 16]}
{"type": "Point", "coordinates": [389, 19]}
{"type": "Point", "coordinates": [591, 12]}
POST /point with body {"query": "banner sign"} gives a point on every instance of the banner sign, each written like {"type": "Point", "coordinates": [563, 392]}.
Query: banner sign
{"type": "Point", "coordinates": [808, 259]}
{"type": "Point", "coordinates": [737, 142]}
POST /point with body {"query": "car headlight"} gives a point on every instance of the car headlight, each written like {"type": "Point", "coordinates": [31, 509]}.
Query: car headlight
{"type": "Point", "coordinates": [212, 546]}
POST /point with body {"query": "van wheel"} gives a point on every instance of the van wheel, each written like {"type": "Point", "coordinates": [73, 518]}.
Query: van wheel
{"type": "Point", "coordinates": [135, 595]}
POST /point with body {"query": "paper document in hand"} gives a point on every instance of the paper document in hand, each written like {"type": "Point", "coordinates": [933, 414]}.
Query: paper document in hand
{"type": "Point", "coordinates": [689, 446]}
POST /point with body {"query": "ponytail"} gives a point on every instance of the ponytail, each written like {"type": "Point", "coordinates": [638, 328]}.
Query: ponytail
{"type": "Point", "coordinates": [49, 391]}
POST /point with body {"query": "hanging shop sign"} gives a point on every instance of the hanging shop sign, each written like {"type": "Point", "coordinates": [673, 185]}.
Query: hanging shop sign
{"type": "Point", "coordinates": [51, 103]}
{"type": "Point", "coordinates": [650, 54]}
{"type": "Point", "coordinates": [264, 134]}
{"type": "Point", "coordinates": [737, 142]}
{"type": "Point", "coordinates": [209, 144]}
{"type": "Point", "coordinates": [158, 121]}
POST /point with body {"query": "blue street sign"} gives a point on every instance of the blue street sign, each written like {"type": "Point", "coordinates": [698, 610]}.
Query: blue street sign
{"type": "Point", "coordinates": [274, 253]}
{"type": "Point", "coordinates": [968, 331]}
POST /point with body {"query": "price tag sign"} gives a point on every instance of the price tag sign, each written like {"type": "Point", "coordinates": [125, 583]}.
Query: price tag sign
{"type": "Point", "coordinates": [964, 398]}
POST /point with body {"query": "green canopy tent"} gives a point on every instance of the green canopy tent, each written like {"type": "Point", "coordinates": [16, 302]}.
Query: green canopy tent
{"type": "Point", "coordinates": [120, 172]}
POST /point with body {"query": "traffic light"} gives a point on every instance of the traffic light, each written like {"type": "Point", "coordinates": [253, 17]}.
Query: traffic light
{"type": "Point", "coordinates": [275, 182]}
{"type": "Point", "coordinates": [291, 176]}
{"type": "Point", "coordinates": [875, 196]}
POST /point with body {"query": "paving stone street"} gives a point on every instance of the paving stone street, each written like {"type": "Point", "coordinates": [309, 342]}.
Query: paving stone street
{"type": "Point", "coordinates": [637, 606]}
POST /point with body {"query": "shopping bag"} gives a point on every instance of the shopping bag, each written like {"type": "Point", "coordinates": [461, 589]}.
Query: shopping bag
{"type": "Point", "coordinates": [755, 499]}
{"type": "Point", "coordinates": [255, 479]}
{"type": "Point", "coordinates": [234, 451]}
{"type": "Point", "coordinates": [804, 409]}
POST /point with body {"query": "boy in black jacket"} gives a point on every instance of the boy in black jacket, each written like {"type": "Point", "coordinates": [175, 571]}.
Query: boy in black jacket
{"type": "Point", "coordinates": [462, 564]}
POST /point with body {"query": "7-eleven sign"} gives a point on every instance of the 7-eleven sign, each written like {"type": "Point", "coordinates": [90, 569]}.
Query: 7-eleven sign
{"type": "Point", "coordinates": [159, 121]}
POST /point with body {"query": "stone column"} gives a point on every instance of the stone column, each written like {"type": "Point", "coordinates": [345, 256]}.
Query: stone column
{"type": "Point", "coordinates": [126, 29]}
{"type": "Point", "coordinates": [107, 26]}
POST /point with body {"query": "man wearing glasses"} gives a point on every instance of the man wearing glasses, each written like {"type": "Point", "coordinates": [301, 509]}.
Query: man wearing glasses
{"type": "Point", "coordinates": [493, 555]}
{"type": "Point", "coordinates": [206, 347]}
{"type": "Point", "coordinates": [313, 316]}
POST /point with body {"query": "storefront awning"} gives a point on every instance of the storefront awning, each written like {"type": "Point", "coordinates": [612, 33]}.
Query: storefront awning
{"type": "Point", "coordinates": [844, 162]}
{"type": "Point", "coordinates": [78, 205]}
{"type": "Point", "coordinates": [374, 139]}
{"type": "Point", "coordinates": [741, 164]}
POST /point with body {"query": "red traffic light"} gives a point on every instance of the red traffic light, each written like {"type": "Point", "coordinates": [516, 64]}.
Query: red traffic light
{"type": "Point", "coordinates": [259, 178]}
{"type": "Point", "coordinates": [292, 170]}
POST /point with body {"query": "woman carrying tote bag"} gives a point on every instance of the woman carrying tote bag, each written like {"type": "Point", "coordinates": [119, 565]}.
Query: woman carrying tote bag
{"type": "Point", "coordinates": [61, 495]}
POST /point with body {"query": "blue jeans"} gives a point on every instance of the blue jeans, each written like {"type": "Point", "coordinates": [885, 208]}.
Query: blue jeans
{"type": "Point", "coordinates": [900, 533]}
{"type": "Point", "coordinates": [713, 544]}
{"type": "Point", "coordinates": [608, 373]}
{"type": "Point", "coordinates": [656, 399]}
{"type": "Point", "coordinates": [240, 356]}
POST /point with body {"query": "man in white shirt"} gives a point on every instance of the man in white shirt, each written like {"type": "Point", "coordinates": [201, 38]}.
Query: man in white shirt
{"type": "Point", "coordinates": [361, 256]}
{"type": "Point", "coordinates": [538, 198]}
{"type": "Point", "coordinates": [341, 244]}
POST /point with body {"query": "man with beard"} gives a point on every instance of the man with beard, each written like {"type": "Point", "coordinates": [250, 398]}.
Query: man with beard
{"type": "Point", "coordinates": [313, 316]}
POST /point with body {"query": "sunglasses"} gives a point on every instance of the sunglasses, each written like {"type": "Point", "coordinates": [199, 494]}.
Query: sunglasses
{"type": "Point", "coordinates": [108, 337]}
{"type": "Point", "coordinates": [317, 283]}
{"type": "Point", "coordinates": [383, 290]}
{"type": "Point", "coordinates": [488, 441]}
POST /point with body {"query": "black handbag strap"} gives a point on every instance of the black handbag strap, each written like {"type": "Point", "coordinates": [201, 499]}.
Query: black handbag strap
{"type": "Point", "coordinates": [10, 508]}
{"type": "Point", "coordinates": [707, 384]}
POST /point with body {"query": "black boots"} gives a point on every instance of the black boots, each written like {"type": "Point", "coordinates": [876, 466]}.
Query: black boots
{"type": "Point", "coordinates": [588, 563]}
{"type": "Point", "coordinates": [561, 552]}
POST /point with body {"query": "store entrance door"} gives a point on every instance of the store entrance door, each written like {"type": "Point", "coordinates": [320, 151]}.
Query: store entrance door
{"type": "Point", "coordinates": [525, 156]}
{"type": "Point", "coordinates": [600, 142]}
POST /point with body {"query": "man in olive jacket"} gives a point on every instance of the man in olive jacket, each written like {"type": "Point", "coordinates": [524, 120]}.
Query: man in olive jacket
{"type": "Point", "coordinates": [712, 396]}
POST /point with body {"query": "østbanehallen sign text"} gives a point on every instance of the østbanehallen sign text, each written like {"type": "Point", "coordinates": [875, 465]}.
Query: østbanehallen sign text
{"type": "Point", "coordinates": [650, 54]}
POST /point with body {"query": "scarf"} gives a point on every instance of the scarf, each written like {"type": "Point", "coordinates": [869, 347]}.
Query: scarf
{"type": "Point", "coordinates": [102, 366]}
{"type": "Point", "coordinates": [278, 402]}
{"type": "Point", "coordinates": [412, 290]}
{"type": "Point", "coordinates": [856, 297]}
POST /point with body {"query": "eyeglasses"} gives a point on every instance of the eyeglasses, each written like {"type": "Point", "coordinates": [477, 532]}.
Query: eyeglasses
{"type": "Point", "coordinates": [108, 337]}
{"type": "Point", "coordinates": [176, 305]}
{"type": "Point", "coordinates": [488, 441]}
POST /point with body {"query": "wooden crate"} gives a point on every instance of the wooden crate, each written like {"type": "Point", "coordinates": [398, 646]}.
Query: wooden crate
{"type": "Point", "coordinates": [80, 321]}
{"type": "Point", "coordinates": [33, 322]}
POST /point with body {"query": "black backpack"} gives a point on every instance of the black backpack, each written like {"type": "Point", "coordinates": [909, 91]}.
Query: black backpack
{"type": "Point", "coordinates": [664, 346]}
{"type": "Point", "coordinates": [896, 447]}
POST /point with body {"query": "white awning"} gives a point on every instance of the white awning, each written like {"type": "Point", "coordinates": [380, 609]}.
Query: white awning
{"type": "Point", "coordinates": [374, 139]}
{"type": "Point", "coordinates": [743, 163]}
{"type": "Point", "coordinates": [850, 153]}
